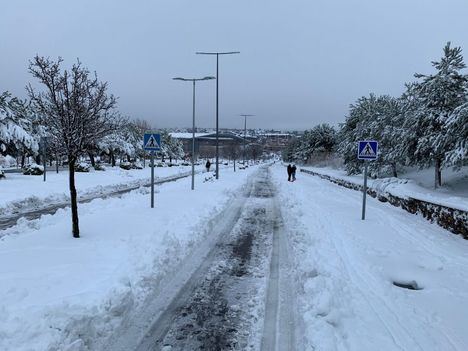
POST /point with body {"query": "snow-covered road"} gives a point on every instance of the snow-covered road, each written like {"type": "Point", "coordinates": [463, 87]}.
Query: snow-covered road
{"type": "Point", "coordinates": [232, 293]}
{"type": "Point", "coordinates": [345, 270]}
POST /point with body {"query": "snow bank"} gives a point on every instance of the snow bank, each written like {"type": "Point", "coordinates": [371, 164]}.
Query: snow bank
{"type": "Point", "coordinates": [60, 293]}
{"type": "Point", "coordinates": [21, 193]}
{"type": "Point", "coordinates": [345, 270]}
{"type": "Point", "coordinates": [414, 184]}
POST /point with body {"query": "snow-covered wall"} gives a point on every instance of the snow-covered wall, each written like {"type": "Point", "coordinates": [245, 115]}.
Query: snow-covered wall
{"type": "Point", "coordinates": [454, 220]}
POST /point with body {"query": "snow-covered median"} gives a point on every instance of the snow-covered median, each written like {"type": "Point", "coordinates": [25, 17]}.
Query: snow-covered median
{"type": "Point", "coordinates": [345, 270]}
{"type": "Point", "coordinates": [60, 293]}
{"type": "Point", "coordinates": [19, 193]}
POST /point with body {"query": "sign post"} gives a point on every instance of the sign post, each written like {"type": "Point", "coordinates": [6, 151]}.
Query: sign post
{"type": "Point", "coordinates": [152, 143]}
{"type": "Point", "coordinates": [367, 151]}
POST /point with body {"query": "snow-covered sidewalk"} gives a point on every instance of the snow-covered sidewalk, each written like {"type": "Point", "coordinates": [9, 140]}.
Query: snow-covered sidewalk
{"type": "Point", "coordinates": [345, 269]}
{"type": "Point", "coordinates": [19, 193]}
{"type": "Point", "coordinates": [56, 291]}
{"type": "Point", "coordinates": [415, 184]}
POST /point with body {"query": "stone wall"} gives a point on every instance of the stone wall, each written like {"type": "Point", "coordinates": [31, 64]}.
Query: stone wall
{"type": "Point", "coordinates": [454, 220]}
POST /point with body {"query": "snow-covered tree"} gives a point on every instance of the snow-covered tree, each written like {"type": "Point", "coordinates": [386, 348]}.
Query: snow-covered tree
{"type": "Point", "coordinates": [76, 110]}
{"type": "Point", "coordinates": [321, 138]}
{"type": "Point", "coordinates": [123, 141]}
{"type": "Point", "coordinates": [171, 147]}
{"type": "Point", "coordinates": [16, 128]}
{"type": "Point", "coordinates": [439, 95]}
{"type": "Point", "coordinates": [372, 118]}
{"type": "Point", "coordinates": [457, 128]}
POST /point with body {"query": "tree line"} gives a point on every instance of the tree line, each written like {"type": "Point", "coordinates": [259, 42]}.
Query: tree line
{"type": "Point", "coordinates": [427, 126]}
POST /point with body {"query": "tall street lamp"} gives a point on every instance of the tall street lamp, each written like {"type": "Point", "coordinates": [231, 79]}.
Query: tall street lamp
{"type": "Point", "coordinates": [245, 134]}
{"type": "Point", "coordinates": [193, 80]}
{"type": "Point", "coordinates": [217, 100]}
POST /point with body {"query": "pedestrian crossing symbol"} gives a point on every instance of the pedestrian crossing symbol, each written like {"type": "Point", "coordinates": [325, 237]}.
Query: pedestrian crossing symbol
{"type": "Point", "coordinates": [367, 149]}
{"type": "Point", "coordinates": [152, 142]}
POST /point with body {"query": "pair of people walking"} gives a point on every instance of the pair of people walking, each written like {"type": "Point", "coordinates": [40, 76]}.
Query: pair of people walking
{"type": "Point", "coordinates": [291, 173]}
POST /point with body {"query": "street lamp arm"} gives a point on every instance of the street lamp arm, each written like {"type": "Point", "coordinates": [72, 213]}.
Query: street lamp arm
{"type": "Point", "coordinates": [193, 79]}
{"type": "Point", "coordinates": [218, 53]}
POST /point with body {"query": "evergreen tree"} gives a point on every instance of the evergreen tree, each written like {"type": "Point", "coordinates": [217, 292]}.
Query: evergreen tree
{"type": "Point", "coordinates": [457, 129]}
{"type": "Point", "coordinates": [372, 118]}
{"type": "Point", "coordinates": [439, 95]}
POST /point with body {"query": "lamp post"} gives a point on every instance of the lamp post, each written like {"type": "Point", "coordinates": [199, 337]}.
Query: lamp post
{"type": "Point", "coordinates": [193, 80]}
{"type": "Point", "coordinates": [245, 134]}
{"type": "Point", "coordinates": [217, 99]}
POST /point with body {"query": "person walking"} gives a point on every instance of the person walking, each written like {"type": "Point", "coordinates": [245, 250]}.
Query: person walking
{"type": "Point", "coordinates": [293, 172]}
{"type": "Point", "coordinates": [289, 172]}
{"type": "Point", "coordinates": [208, 165]}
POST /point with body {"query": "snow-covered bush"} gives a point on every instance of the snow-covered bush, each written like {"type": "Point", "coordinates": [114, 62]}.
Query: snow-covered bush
{"type": "Point", "coordinates": [82, 167]}
{"type": "Point", "coordinates": [125, 165]}
{"type": "Point", "coordinates": [131, 165]}
{"type": "Point", "coordinates": [99, 167]}
{"type": "Point", "coordinates": [137, 165]}
{"type": "Point", "coordinates": [33, 169]}
{"type": "Point", "coordinates": [7, 161]}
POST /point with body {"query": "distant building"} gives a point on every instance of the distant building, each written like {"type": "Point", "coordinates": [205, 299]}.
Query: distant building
{"type": "Point", "coordinates": [205, 143]}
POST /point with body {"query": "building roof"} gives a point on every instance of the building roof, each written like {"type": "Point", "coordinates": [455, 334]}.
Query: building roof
{"type": "Point", "coordinates": [187, 135]}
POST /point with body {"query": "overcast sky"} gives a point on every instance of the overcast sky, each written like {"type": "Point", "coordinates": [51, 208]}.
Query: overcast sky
{"type": "Point", "coordinates": [302, 62]}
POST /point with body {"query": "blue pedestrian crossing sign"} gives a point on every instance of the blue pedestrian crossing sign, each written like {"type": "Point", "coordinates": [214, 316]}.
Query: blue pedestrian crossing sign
{"type": "Point", "coordinates": [152, 142]}
{"type": "Point", "coordinates": [367, 149]}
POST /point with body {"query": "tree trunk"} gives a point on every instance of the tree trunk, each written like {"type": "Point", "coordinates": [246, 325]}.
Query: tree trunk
{"type": "Point", "coordinates": [438, 173]}
{"type": "Point", "coordinates": [394, 170]}
{"type": "Point", "coordinates": [56, 163]}
{"type": "Point", "coordinates": [112, 158]}
{"type": "Point", "coordinates": [170, 159]}
{"type": "Point", "coordinates": [128, 158]}
{"type": "Point", "coordinates": [23, 158]}
{"type": "Point", "coordinates": [73, 199]}
{"type": "Point", "coordinates": [91, 158]}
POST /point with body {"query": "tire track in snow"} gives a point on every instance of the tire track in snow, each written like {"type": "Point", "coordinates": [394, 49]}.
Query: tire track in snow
{"type": "Point", "coordinates": [279, 333]}
{"type": "Point", "coordinates": [218, 306]}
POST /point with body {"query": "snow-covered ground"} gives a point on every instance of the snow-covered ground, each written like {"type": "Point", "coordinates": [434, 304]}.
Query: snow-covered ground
{"type": "Point", "coordinates": [418, 184]}
{"type": "Point", "coordinates": [57, 293]}
{"type": "Point", "coordinates": [60, 293]}
{"type": "Point", "coordinates": [345, 269]}
{"type": "Point", "coordinates": [19, 192]}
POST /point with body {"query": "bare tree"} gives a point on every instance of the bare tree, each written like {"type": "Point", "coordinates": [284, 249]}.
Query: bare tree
{"type": "Point", "coordinates": [76, 110]}
{"type": "Point", "coordinates": [233, 152]}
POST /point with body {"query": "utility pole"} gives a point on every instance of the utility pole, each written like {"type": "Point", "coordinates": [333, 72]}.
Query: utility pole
{"type": "Point", "coordinates": [193, 80]}
{"type": "Point", "coordinates": [245, 135]}
{"type": "Point", "coordinates": [217, 100]}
